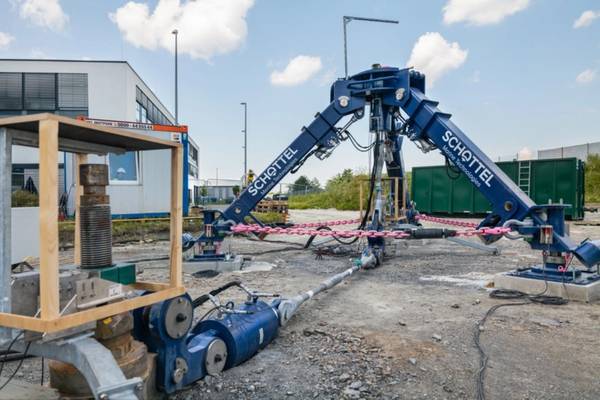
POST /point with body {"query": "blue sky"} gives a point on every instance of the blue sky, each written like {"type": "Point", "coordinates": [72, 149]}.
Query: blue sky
{"type": "Point", "coordinates": [519, 75]}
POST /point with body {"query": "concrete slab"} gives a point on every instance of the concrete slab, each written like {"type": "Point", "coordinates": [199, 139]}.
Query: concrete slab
{"type": "Point", "coordinates": [234, 264]}
{"type": "Point", "coordinates": [587, 293]}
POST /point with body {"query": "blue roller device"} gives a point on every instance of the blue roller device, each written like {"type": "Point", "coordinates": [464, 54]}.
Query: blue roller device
{"type": "Point", "coordinates": [187, 352]}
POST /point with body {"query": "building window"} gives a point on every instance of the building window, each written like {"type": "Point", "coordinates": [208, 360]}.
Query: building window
{"type": "Point", "coordinates": [147, 111]}
{"type": "Point", "coordinates": [123, 168]}
{"type": "Point", "coordinates": [11, 91]}
{"type": "Point", "coordinates": [40, 92]}
{"type": "Point", "coordinates": [193, 170]}
{"type": "Point", "coordinates": [30, 93]}
{"type": "Point", "coordinates": [72, 91]}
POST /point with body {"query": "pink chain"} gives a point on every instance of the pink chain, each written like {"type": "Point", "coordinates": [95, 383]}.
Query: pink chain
{"type": "Point", "coordinates": [446, 221]}
{"type": "Point", "coordinates": [327, 223]}
{"type": "Point", "coordinates": [242, 228]}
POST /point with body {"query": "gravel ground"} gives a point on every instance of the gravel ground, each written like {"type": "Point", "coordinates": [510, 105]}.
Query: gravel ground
{"type": "Point", "coordinates": [401, 331]}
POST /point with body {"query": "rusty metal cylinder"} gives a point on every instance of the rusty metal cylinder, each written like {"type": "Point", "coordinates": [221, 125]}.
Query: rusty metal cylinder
{"type": "Point", "coordinates": [94, 213]}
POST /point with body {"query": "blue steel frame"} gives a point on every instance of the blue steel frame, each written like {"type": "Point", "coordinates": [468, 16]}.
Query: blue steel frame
{"type": "Point", "coordinates": [186, 167]}
{"type": "Point", "coordinates": [402, 93]}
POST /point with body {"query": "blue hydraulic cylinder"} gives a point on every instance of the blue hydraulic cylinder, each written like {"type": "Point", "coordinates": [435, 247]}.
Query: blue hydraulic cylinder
{"type": "Point", "coordinates": [244, 334]}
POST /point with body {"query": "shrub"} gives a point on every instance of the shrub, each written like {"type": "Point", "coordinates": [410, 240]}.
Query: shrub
{"type": "Point", "coordinates": [23, 198]}
{"type": "Point", "coordinates": [592, 179]}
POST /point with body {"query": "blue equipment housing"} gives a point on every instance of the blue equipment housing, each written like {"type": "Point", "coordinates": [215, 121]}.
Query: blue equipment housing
{"type": "Point", "coordinates": [186, 354]}
{"type": "Point", "coordinates": [244, 334]}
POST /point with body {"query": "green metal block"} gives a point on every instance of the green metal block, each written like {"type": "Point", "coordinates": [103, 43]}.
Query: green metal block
{"type": "Point", "coordinates": [119, 273]}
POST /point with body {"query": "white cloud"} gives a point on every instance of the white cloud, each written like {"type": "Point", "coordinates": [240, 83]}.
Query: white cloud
{"type": "Point", "coordinates": [586, 76]}
{"type": "Point", "coordinates": [299, 69]}
{"type": "Point", "coordinates": [434, 56]}
{"type": "Point", "coordinates": [206, 27]}
{"type": "Point", "coordinates": [481, 12]}
{"type": "Point", "coordinates": [45, 13]}
{"type": "Point", "coordinates": [5, 40]}
{"type": "Point", "coordinates": [586, 18]}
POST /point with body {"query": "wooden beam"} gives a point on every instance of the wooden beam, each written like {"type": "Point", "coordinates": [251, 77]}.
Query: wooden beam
{"type": "Point", "coordinates": [360, 199]}
{"type": "Point", "coordinates": [48, 167]}
{"type": "Point", "coordinates": [78, 159]}
{"type": "Point", "coordinates": [88, 128]}
{"type": "Point", "coordinates": [83, 317]}
{"type": "Point", "coordinates": [176, 274]}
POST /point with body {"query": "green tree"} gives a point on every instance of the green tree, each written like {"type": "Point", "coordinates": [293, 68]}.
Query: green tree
{"type": "Point", "coordinates": [235, 190]}
{"type": "Point", "coordinates": [301, 185]}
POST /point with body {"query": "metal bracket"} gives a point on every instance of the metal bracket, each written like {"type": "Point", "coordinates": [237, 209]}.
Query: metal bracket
{"type": "Point", "coordinates": [95, 362]}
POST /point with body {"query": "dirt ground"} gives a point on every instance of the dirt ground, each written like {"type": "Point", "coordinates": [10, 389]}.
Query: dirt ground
{"type": "Point", "coordinates": [401, 331]}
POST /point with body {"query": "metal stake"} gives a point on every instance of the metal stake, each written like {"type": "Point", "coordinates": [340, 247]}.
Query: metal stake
{"type": "Point", "coordinates": [245, 182]}
{"type": "Point", "coordinates": [175, 32]}
{"type": "Point", "coordinates": [5, 227]}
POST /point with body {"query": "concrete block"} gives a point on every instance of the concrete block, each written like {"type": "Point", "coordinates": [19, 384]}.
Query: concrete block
{"type": "Point", "coordinates": [586, 293]}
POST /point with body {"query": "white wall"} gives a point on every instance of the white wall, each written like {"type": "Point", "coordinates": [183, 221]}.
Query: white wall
{"type": "Point", "coordinates": [111, 95]}
{"type": "Point", "coordinates": [25, 233]}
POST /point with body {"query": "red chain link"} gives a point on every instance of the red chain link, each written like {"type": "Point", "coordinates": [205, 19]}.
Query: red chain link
{"type": "Point", "coordinates": [327, 223]}
{"type": "Point", "coordinates": [446, 221]}
{"type": "Point", "coordinates": [243, 228]}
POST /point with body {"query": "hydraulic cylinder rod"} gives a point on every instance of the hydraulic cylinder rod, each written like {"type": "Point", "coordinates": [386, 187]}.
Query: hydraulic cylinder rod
{"type": "Point", "coordinates": [287, 308]}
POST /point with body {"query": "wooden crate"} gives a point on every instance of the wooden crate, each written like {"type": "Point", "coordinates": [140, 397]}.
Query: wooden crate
{"type": "Point", "coordinates": [274, 206]}
{"type": "Point", "coordinates": [52, 133]}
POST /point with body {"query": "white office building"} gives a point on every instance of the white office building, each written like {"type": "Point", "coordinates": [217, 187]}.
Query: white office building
{"type": "Point", "coordinates": [109, 90]}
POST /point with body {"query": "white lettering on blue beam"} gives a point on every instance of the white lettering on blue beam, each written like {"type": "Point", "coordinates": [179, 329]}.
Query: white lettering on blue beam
{"type": "Point", "coordinates": [461, 156]}
{"type": "Point", "coordinates": [280, 164]}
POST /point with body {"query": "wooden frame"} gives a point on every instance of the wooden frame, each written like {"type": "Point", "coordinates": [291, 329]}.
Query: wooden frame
{"type": "Point", "coordinates": [399, 212]}
{"type": "Point", "coordinates": [50, 130]}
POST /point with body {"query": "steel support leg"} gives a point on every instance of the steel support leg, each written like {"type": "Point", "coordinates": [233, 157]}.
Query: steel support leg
{"type": "Point", "coordinates": [5, 228]}
{"type": "Point", "coordinates": [95, 362]}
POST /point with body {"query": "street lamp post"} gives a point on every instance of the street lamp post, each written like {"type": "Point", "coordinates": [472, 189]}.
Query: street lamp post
{"type": "Point", "coordinates": [245, 130]}
{"type": "Point", "coordinates": [346, 21]}
{"type": "Point", "coordinates": [175, 32]}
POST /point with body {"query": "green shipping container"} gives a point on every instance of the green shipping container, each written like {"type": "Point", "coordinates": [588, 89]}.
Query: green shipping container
{"type": "Point", "coordinates": [438, 191]}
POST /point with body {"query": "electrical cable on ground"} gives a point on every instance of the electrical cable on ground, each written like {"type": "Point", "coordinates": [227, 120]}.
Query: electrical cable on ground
{"type": "Point", "coordinates": [540, 298]}
{"type": "Point", "coordinates": [21, 358]}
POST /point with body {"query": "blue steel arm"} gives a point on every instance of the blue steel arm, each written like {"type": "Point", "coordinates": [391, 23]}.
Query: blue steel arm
{"type": "Point", "coordinates": [320, 135]}
{"type": "Point", "coordinates": [432, 128]}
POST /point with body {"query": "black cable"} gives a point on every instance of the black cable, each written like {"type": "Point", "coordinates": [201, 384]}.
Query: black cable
{"type": "Point", "coordinates": [7, 352]}
{"type": "Point", "coordinates": [282, 249]}
{"type": "Point", "coordinates": [337, 239]}
{"type": "Point", "coordinates": [198, 301]}
{"type": "Point", "coordinates": [16, 369]}
{"type": "Point", "coordinates": [506, 294]}
{"type": "Point", "coordinates": [42, 378]}
{"type": "Point", "coordinates": [454, 170]}
{"type": "Point", "coordinates": [208, 313]}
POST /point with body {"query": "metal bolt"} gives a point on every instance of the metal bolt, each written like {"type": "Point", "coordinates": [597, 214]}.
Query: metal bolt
{"type": "Point", "coordinates": [399, 94]}
{"type": "Point", "coordinates": [139, 387]}
{"type": "Point", "coordinates": [344, 101]}
{"type": "Point", "coordinates": [103, 396]}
